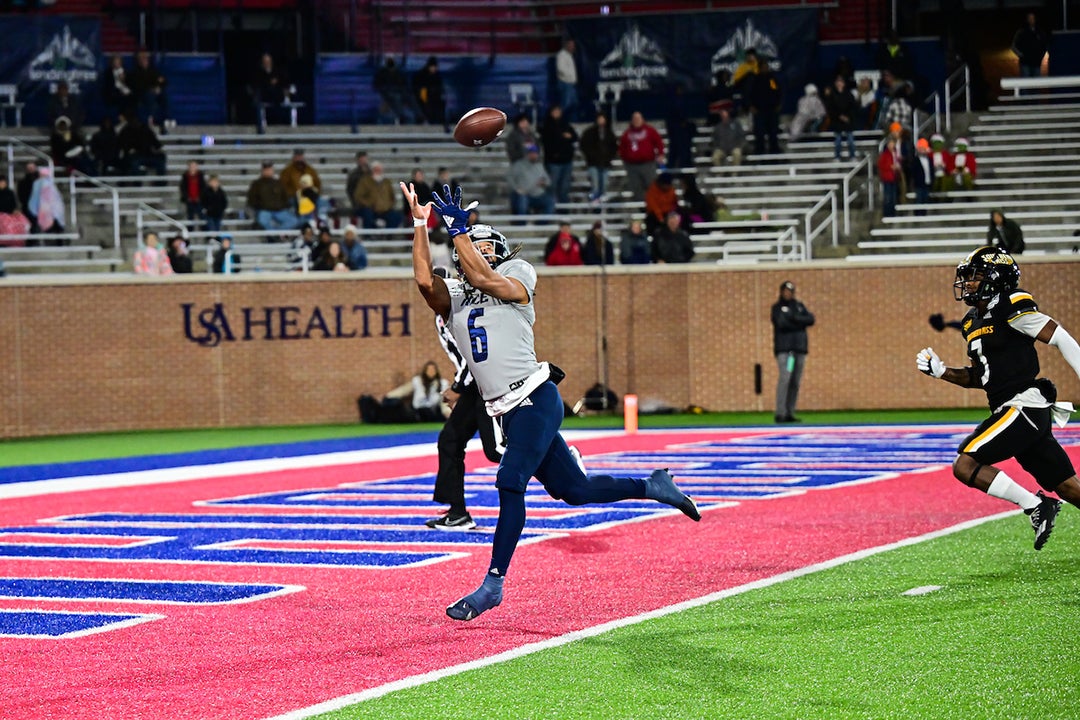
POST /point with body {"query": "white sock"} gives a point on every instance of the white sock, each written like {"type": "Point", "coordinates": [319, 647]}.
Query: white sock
{"type": "Point", "coordinates": [1005, 488]}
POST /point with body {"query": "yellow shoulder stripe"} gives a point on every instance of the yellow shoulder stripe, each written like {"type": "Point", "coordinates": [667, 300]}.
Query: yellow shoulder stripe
{"type": "Point", "coordinates": [1017, 297]}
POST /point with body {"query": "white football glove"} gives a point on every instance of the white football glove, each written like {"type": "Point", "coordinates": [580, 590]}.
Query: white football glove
{"type": "Point", "coordinates": [929, 363]}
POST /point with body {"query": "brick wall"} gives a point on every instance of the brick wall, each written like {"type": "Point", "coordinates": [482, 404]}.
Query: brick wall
{"type": "Point", "coordinates": [113, 353]}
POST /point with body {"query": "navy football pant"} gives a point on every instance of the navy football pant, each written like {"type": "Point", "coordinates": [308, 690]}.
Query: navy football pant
{"type": "Point", "coordinates": [534, 448]}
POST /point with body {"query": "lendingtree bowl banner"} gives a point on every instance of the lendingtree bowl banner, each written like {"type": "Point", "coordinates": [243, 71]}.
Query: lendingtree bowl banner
{"type": "Point", "coordinates": [651, 54]}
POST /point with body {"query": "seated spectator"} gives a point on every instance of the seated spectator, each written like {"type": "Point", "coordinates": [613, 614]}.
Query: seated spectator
{"type": "Point", "coordinates": [305, 241]}
{"type": "Point", "coordinates": [392, 86]}
{"type": "Point", "coordinates": [530, 185]}
{"type": "Point", "coordinates": [150, 259]}
{"type": "Point", "coordinates": [964, 166]}
{"type": "Point", "coordinates": [269, 202]}
{"type": "Point", "coordinates": [193, 190]}
{"type": "Point", "coordinates": [179, 258]}
{"type": "Point", "coordinates": [64, 104]}
{"type": "Point", "coordinates": [1005, 233]}
{"type": "Point", "coordinates": [597, 249]}
{"type": "Point", "coordinates": [809, 112]}
{"type": "Point", "coordinates": [225, 259]}
{"type": "Point", "coordinates": [671, 244]}
{"type": "Point", "coordinates": [697, 206]}
{"type": "Point", "coordinates": [634, 245]}
{"type": "Point", "coordinates": [355, 253]}
{"type": "Point", "coordinates": [46, 205]}
{"type": "Point", "coordinates": [105, 148]}
{"type": "Point", "coordinates": [215, 202]}
{"type": "Point", "coordinates": [660, 199]}
{"type": "Point", "coordinates": [24, 189]}
{"type": "Point", "coordinates": [332, 258]}
{"type": "Point", "coordinates": [361, 169]}
{"type": "Point", "coordinates": [728, 139]}
{"type": "Point", "coordinates": [12, 222]}
{"type": "Point", "coordinates": [376, 199]}
{"type": "Point", "coordinates": [428, 387]}
{"type": "Point", "coordinates": [563, 247]}
{"type": "Point", "coordinates": [296, 169]}
{"type": "Point", "coordinates": [868, 104]}
{"type": "Point", "coordinates": [308, 200]}
{"type": "Point", "coordinates": [68, 148]}
{"type": "Point", "coordinates": [140, 148]}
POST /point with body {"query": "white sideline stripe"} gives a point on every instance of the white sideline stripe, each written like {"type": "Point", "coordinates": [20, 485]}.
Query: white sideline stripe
{"type": "Point", "coordinates": [417, 680]}
{"type": "Point", "coordinates": [240, 467]}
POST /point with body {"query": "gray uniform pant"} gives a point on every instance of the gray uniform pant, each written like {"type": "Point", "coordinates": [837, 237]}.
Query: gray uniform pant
{"type": "Point", "coordinates": [790, 365]}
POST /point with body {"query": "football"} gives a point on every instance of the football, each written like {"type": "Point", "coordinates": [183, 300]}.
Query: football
{"type": "Point", "coordinates": [480, 126]}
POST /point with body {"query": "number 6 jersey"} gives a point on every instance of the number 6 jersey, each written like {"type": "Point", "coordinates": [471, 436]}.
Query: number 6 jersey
{"type": "Point", "coordinates": [1003, 357]}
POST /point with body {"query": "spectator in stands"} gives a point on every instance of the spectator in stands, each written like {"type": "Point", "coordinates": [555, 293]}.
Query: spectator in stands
{"type": "Point", "coordinates": [560, 139]}
{"type": "Point", "coordinates": [893, 57]}
{"type": "Point", "coordinates": [596, 249]}
{"type": "Point", "coordinates": [744, 76]}
{"type": "Point", "coordinates": [12, 222]}
{"type": "Point", "coordinates": [114, 87]}
{"type": "Point", "coordinates": [809, 112]}
{"type": "Point", "coordinates": [1005, 233]}
{"type": "Point", "coordinates": [423, 195]}
{"type": "Point", "coordinates": [1030, 45]}
{"type": "Point", "coordinates": [179, 258]}
{"type": "Point", "coordinates": [268, 87]}
{"type": "Point", "coordinates": [63, 103]}
{"type": "Point", "coordinates": [430, 94]}
{"type": "Point", "coordinates": [307, 241]}
{"type": "Point", "coordinates": [964, 167]}
{"type": "Point", "coordinates": [530, 185]}
{"type": "Point", "coordinates": [898, 108]}
{"type": "Point", "coordinates": [842, 107]}
{"type": "Point", "coordinates": [660, 199]}
{"type": "Point", "coordinates": [67, 146]}
{"type": "Point", "coordinates": [563, 247]}
{"type": "Point", "coordinates": [393, 88]}
{"type": "Point", "coordinates": [942, 161]}
{"type": "Point", "coordinates": [521, 136]}
{"type": "Point", "coordinates": [269, 202]}
{"type": "Point", "coordinates": [355, 253]}
{"type": "Point", "coordinates": [890, 170]}
{"type": "Point", "coordinates": [428, 387]}
{"type": "Point", "coordinates": [720, 96]}
{"type": "Point", "coordinates": [634, 245]}
{"type": "Point", "coordinates": [215, 201]}
{"type": "Point", "coordinates": [728, 139]}
{"type": "Point", "coordinates": [291, 174]}
{"type": "Point", "coordinates": [150, 259]}
{"type": "Point", "coordinates": [922, 173]}
{"type": "Point", "coordinates": [105, 148]}
{"type": "Point", "coordinates": [332, 258]}
{"type": "Point", "coordinates": [361, 169]}
{"type": "Point", "coordinates": [671, 244]}
{"type": "Point", "coordinates": [680, 130]}
{"type": "Point", "coordinates": [907, 155]}
{"type": "Point", "coordinates": [225, 258]}
{"type": "Point", "coordinates": [140, 148]}
{"type": "Point", "coordinates": [442, 177]}
{"type": "Point", "coordinates": [148, 91]}
{"type": "Point", "coordinates": [868, 104]}
{"type": "Point", "coordinates": [640, 148]}
{"type": "Point", "coordinates": [696, 206]}
{"type": "Point", "coordinates": [566, 79]}
{"type": "Point", "coordinates": [764, 99]}
{"type": "Point", "coordinates": [308, 201]}
{"type": "Point", "coordinates": [24, 189]}
{"type": "Point", "coordinates": [846, 70]}
{"type": "Point", "coordinates": [376, 199]}
{"type": "Point", "coordinates": [599, 146]}
{"type": "Point", "coordinates": [46, 205]}
{"type": "Point", "coordinates": [193, 190]}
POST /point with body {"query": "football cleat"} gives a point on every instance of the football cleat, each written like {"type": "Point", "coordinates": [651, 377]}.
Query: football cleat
{"type": "Point", "coordinates": [487, 596]}
{"type": "Point", "coordinates": [453, 524]}
{"type": "Point", "coordinates": [1043, 517]}
{"type": "Point", "coordinates": [661, 487]}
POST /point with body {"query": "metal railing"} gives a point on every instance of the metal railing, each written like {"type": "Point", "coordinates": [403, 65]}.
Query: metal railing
{"type": "Point", "coordinates": [810, 232]}
{"type": "Point", "coordinates": [863, 164]}
{"type": "Point", "coordinates": [951, 94]}
{"type": "Point", "coordinates": [77, 177]}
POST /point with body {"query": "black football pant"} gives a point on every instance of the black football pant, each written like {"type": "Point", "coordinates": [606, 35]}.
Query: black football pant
{"type": "Point", "coordinates": [467, 416]}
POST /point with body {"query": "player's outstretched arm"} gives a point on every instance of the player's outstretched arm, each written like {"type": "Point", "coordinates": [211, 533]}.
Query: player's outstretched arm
{"type": "Point", "coordinates": [431, 285]}
{"type": "Point", "coordinates": [1057, 336]}
{"type": "Point", "coordinates": [928, 363]}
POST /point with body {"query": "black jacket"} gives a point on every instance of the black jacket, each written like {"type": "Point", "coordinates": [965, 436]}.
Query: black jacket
{"type": "Point", "coordinates": [1009, 237]}
{"type": "Point", "coordinates": [790, 320]}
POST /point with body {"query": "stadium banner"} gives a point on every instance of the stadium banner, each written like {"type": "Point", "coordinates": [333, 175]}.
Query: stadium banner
{"type": "Point", "coordinates": [645, 56]}
{"type": "Point", "coordinates": [51, 49]}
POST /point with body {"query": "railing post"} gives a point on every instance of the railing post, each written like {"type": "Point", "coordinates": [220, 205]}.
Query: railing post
{"type": "Point", "coordinates": [937, 112]}
{"type": "Point", "coordinates": [967, 89]}
{"type": "Point", "coordinates": [835, 234]}
{"type": "Point", "coordinates": [870, 189]}
{"type": "Point", "coordinates": [74, 204]}
{"type": "Point", "coordinates": [116, 218]}
{"type": "Point", "coordinates": [948, 104]}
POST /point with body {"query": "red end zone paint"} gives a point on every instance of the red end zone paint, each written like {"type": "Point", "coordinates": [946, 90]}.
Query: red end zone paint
{"type": "Point", "coordinates": [353, 630]}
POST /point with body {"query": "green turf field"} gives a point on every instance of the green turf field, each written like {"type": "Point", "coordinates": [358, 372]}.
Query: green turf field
{"type": "Point", "coordinates": [997, 641]}
{"type": "Point", "coordinates": [91, 447]}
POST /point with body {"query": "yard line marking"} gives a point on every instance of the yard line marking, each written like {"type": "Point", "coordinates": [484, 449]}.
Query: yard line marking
{"type": "Point", "coordinates": [921, 590]}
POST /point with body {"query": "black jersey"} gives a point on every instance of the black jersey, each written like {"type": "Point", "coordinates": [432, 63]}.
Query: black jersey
{"type": "Point", "coordinates": [1003, 359]}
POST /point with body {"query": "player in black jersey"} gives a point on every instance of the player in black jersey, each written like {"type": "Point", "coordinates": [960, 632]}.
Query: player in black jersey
{"type": "Point", "coordinates": [1001, 329]}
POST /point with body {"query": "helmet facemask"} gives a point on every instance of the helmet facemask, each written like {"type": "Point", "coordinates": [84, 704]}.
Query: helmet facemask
{"type": "Point", "coordinates": [491, 244]}
{"type": "Point", "coordinates": [994, 270]}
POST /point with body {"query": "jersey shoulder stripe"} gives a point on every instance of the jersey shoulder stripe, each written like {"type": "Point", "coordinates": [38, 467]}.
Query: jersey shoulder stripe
{"type": "Point", "coordinates": [1020, 303]}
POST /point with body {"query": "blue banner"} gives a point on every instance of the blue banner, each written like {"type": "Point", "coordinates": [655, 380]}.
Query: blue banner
{"type": "Point", "coordinates": [50, 49]}
{"type": "Point", "coordinates": [646, 56]}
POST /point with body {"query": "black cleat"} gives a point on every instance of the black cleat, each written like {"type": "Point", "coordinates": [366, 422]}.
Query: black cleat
{"type": "Point", "coordinates": [659, 486]}
{"type": "Point", "coordinates": [1043, 517]}
{"type": "Point", "coordinates": [453, 524]}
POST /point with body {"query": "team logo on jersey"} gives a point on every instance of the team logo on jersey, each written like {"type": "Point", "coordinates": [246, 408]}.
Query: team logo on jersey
{"type": "Point", "coordinates": [634, 61]}
{"type": "Point", "coordinates": [733, 52]}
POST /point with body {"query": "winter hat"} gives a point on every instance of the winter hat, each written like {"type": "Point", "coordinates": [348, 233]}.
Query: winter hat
{"type": "Point", "coordinates": [895, 127]}
{"type": "Point", "coordinates": [306, 181]}
{"type": "Point", "coordinates": [937, 140]}
{"type": "Point", "coordinates": [962, 143]}
{"type": "Point", "coordinates": [810, 89]}
{"type": "Point", "coordinates": [922, 144]}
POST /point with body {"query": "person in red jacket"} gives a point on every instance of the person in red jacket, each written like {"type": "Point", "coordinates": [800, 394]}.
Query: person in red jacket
{"type": "Point", "coordinates": [563, 248]}
{"type": "Point", "coordinates": [640, 149]}
{"type": "Point", "coordinates": [660, 199]}
{"type": "Point", "coordinates": [890, 170]}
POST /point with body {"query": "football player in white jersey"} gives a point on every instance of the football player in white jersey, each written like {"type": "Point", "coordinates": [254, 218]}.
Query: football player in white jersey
{"type": "Point", "coordinates": [490, 312]}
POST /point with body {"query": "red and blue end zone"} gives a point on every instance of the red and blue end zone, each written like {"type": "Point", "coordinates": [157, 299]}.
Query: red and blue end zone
{"type": "Point", "coordinates": [249, 588]}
